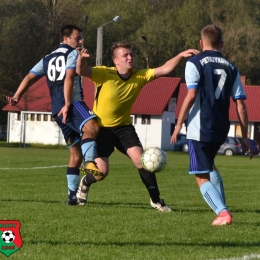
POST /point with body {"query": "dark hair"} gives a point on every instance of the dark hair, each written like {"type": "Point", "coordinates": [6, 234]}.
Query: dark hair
{"type": "Point", "coordinates": [212, 34]}
{"type": "Point", "coordinates": [67, 30]}
{"type": "Point", "coordinates": [116, 45]}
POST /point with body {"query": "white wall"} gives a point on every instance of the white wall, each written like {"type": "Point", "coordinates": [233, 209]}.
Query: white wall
{"type": "Point", "coordinates": [168, 118]}
{"type": "Point", "coordinates": [232, 129]}
{"type": "Point", "coordinates": [27, 131]}
{"type": "Point", "coordinates": [157, 133]}
{"type": "Point", "coordinates": [149, 134]}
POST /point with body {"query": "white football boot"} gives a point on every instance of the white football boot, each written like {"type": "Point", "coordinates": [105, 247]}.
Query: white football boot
{"type": "Point", "coordinates": [161, 206]}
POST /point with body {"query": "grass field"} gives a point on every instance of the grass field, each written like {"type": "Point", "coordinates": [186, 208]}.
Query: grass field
{"type": "Point", "coordinates": [118, 222]}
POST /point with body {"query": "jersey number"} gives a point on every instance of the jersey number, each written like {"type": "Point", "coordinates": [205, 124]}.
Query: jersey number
{"type": "Point", "coordinates": [56, 65]}
{"type": "Point", "coordinates": [221, 83]}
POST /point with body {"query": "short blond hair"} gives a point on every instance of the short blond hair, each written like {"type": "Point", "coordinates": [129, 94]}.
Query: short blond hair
{"type": "Point", "coordinates": [117, 45]}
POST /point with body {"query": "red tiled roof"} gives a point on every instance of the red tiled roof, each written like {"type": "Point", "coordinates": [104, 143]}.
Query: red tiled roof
{"type": "Point", "coordinates": [252, 103]}
{"type": "Point", "coordinates": [88, 90]}
{"type": "Point", "coordinates": [37, 98]}
{"type": "Point", "coordinates": [152, 99]}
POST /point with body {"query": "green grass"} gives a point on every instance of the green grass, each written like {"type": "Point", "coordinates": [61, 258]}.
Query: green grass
{"type": "Point", "coordinates": [118, 222]}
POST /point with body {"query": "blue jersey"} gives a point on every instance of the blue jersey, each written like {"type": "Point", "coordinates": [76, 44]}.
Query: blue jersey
{"type": "Point", "coordinates": [216, 79]}
{"type": "Point", "coordinates": [54, 66]}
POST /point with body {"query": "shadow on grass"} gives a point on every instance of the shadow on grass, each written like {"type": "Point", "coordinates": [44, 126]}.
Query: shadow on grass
{"type": "Point", "coordinates": [245, 210]}
{"type": "Point", "coordinates": [225, 244]}
{"type": "Point", "coordinates": [93, 204]}
{"type": "Point", "coordinates": [143, 206]}
{"type": "Point", "coordinates": [30, 201]}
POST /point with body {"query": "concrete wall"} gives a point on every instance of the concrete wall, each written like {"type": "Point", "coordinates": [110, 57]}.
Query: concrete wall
{"type": "Point", "coordinates": [40, 129]}
{"type": "Point", "coordinates": [149, 134]}
{"type": "Point", "coordinates": [45, 131]}
{"type": "Point", "coordinates": [232, 129]}
{"type": "Point", "coordinates": [168, 120]}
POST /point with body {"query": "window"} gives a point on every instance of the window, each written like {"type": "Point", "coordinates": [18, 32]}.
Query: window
{"type": "Point", "coordinates": [32, 117]}
{"type": "Point", "coordinates": [134, 119]}
{"type": "Point", "coordinates": [146, 120]}
{"type": "Point", "coordinates": [39, 117]}
{"type": "Point", "coordinates": [19, 116]}
{"type": "Point", "coordinates": [45, 117]}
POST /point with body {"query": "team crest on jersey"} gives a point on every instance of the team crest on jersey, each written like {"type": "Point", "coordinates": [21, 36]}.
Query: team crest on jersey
{"type": "Point", "coordinates": [91, 112]}
{"type": "Point", "coordinates": [10, 237]}
{"type": "Point", "coordinates": [69, 142]}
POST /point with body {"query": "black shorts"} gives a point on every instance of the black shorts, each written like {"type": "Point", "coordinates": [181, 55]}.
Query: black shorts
{"type": "Point", "coordinates": [120, 137]}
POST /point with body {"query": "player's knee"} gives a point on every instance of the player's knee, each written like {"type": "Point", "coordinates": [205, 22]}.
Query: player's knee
{"type": "Point", "coordinates": [101, 177]}
{"type": "Point", "coordinates": [91, 127]}
{"type": "Point", "coordinates": [75, 157]}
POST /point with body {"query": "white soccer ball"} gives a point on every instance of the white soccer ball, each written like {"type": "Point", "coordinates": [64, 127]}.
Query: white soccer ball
{"type": "Point", "coordinates": [8, 236]}
{"type": "Point", "coordinates": [154, 159]}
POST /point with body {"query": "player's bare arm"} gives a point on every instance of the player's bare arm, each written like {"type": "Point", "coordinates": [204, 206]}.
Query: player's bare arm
{"type": "Point", "coordinates": [186, 106]}
{"type": "Point", "coordinates": [27, 82]}
{"type": "Point", "coordinates": [243, 120]}
{"type": "Point", "coordinates": [170, 65]}
{"type": "Point", "coordinates": [82, 68]}
{"type": "Point", "coordinates": [68, 89]}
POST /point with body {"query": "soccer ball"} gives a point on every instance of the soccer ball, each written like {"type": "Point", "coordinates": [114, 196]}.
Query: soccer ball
{"type": "Point", "coordinates": [8, 236]}
{"type": "Point", "coordinates": [154, 159]}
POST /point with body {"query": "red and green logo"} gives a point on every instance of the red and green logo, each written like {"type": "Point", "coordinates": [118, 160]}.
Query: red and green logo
{"type": "Point", "coordinates": [10, 237]}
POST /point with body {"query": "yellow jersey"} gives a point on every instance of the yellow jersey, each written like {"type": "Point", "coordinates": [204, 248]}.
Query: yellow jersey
{"type": "Point", "coordinates": [115, 96]}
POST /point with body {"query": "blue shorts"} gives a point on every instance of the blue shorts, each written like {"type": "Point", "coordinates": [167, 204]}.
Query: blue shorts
{"type": "Point", "coordinates": [202, 156]}
{"type": "Point", "coordinates": [119, 137]}
{"type": "Point", "coordinates": [78, 115]}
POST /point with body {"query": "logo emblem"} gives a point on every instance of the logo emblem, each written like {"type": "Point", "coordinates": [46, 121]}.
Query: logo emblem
{"type": "Point", "coordinates": [10, 237]}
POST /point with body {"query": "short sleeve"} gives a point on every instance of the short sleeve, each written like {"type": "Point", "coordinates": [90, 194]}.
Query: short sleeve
{"type": "Point", "coordinates": [238, 91]}
{"type": "Point", "coordinates": [192, 75]}
{"type": "Point", "coordinates": [38, 69]}
{"type": "Point", "coordinates": [72, 60]}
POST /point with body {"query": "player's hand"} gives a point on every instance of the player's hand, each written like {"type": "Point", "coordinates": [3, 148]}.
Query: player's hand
{"type": "Point", "coordinates": [246, 144]}
{"type": "Point", "coordinates": [83, 52]}
{"type": "Point", "coordinates": [189, 53]}
{"type": "Point", "coordinates": [64, 113]}
{"type": "Point", "coordinates": [12, 100]}
{"type": "Point", "coordinates": [175, 134]}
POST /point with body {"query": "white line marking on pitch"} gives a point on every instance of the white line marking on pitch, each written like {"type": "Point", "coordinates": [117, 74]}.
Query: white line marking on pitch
{"type": "Point", "coordinates": [245, 257]}
{"type": "Point", "coordinates": [34, 168]}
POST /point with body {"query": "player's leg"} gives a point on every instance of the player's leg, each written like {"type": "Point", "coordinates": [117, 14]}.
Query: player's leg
{"type": "Point", "coordinates": [201, 161]}
{"type": "Point", "coordinates": [73, 172]}
{"type": "Point", "coordinates": [84, 121]}
{"type": "Point", "coordinates": [216, 180]}
{"type": "Point", "coordinates": [129, 143]}
{"type": "Point", "coordinates": [148, 179]}
{"type": "Point", "coordinates": [105, 147]}
{"type": "Point", "coordinates": [214, 200]}
{"type": "Point", "coordinates": [89, 148]}
{"type": "Point", "coordinates": [88, 179]}
{"type": "Point", "coordinates": [72, 139]}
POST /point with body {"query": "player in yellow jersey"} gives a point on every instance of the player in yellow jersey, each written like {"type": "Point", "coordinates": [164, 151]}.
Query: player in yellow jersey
{"type": "Point", "coordinates": [117, 90]}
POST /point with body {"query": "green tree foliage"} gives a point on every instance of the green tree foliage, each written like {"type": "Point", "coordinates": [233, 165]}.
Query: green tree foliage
{"type": "Point", "coordinates": [30, 29]}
